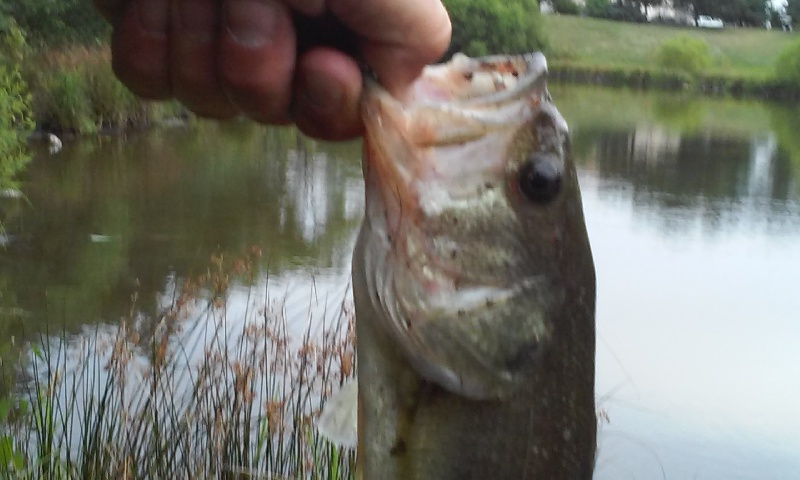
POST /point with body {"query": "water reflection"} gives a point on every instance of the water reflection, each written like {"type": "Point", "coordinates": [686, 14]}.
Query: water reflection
{"type": "Point", "coordinates": [695, 233]}
{"type": "Point", "coordinates": [692, 205]}
{"type": "Point", "coordinates": [105, 217]}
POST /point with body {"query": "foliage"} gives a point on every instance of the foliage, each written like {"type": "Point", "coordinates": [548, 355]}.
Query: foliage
{"type": "Point", "coordinates": [625, 11]}
{"type": "Point", "coordinates": [596, 8]}
{"type": "Point", "coordinates": [482, 27]}
{"type": "Point", "coordinates": [749, 13]}
{"type": "Point", "coordinates": [737, 12]}
{"type": "Point", "coordinates": [787, 67]}
{"type": "Point", "coordinates": [56, 22]}
{"type": "Point", "coordinates": [685, 54]}
{"type": "Point", "coordinates": [15, 118]}
{"type": "Point", "coordinates": [566, 7]}
{"type": "Point", "coordinates": [76, 90]}
{"type": "Point", "coordinates": [793, 10]}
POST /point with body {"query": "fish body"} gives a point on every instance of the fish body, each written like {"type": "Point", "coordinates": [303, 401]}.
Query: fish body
{"type": "Point", "coordinates": [473, 281]}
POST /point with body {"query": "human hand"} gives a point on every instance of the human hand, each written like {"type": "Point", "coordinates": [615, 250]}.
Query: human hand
{"type": "Point", "coordinates": [223, 58]}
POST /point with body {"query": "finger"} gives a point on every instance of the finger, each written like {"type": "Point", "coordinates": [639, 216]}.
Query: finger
{"type": "Point", "coordinates": [399, 37]}
{"type": "Point", "coordinates": [140, 48]}
{"type": "Point", "coordinates": [257, 58]}
{"type": "Point", "coordinates": [110, 9]}
{"type": "Point", "coordinates": [194, 40]}
{"type": "Point", "coordinates": [327, 92]}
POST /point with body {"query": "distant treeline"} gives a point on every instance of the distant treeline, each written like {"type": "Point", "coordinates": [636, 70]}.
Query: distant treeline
{"type": "Point", "coordinates": [745, 13]}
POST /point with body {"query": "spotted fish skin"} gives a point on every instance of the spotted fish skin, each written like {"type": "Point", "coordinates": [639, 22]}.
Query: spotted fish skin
{"type": "Point", "coordinates": [473, 281]}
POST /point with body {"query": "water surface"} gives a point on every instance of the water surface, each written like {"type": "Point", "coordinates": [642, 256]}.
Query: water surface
{"type": "Point", "coordinates": [692, 206]}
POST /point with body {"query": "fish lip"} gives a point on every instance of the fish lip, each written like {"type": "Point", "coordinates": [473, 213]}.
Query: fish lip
{"type": "Point", "coordinates": [448, 107]}
{"type": "Point", "coordinates": [535, 73]}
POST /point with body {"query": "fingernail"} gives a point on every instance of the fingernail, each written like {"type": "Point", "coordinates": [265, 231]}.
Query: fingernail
{"type": "Point", "coordinates": [319, 94]}
{"type": "Point", "coordinates": [251, 22]}
{"type": "Point", "coordinates": [199, 17]}
{"type": "Point", "coordinates": [153, 15]}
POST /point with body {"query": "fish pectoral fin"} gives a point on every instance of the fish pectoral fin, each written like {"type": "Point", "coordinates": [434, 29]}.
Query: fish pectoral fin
{"type": "Point", "coordinates": [338, 422]}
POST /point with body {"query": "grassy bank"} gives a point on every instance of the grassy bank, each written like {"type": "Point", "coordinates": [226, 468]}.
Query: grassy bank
{"type": "Point", "coordinates": [74, 90]}
{"type": "Point", "coordinates": [192, 393]}
{"type": "Point", "coordinates": [742, 60]}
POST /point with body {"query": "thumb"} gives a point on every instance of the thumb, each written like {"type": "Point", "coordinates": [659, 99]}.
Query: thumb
{"type": "Point", "coordinates": [397, 38]}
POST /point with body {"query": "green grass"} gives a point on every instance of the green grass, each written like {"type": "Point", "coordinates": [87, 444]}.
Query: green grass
{"type": "Point", "coordinates": [739, 52]}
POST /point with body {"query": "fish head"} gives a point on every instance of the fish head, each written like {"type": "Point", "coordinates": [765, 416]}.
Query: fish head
{"type": "Point", "coordinates": [471, 205]}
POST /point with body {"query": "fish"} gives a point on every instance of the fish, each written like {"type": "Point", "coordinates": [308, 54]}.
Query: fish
{"type": "Point", "coordinates": [473, 281]}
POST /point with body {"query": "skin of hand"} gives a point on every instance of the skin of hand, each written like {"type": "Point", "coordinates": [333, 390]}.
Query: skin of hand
{"type": "Point", "coordinates": [223, 58]}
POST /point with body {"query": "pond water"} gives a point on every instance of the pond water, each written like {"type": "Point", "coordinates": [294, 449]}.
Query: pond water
{"type": "Point", "coordinates": [692, 206]}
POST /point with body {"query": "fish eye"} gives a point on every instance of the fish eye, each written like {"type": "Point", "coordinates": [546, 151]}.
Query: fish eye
{"type": "Point", "coordinates": [540, 177]}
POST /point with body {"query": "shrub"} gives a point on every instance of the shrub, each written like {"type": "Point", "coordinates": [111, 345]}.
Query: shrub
{"type": "Point", "coordinates": [15, 118]}
{"type": "Point", "coordinates": [56, 22]}
{"type": "Point", "coordinates": [62, 103]}
{"type": "Point", "coordinates": [787, 65]}
{"type": "Point", "coordinates": [76, 90]}
{"type": "Point", "coordinates": [483, 27]}
{"type": "Point", "coordinates": [685, 54]}
{"type": "Point", "coordinates": [596, 8]}
{"type": "Point", "coordinates": [566, 7]}
{"type": "Point", "coordinates": [620, 11]}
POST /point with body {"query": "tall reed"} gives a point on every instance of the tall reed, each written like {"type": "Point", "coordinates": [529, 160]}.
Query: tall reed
{"type": "Point", "coordinates": [188, 396]}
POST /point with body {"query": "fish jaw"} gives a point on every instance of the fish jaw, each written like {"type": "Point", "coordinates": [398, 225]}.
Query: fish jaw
{"type": "Point", "coordinates": [449, 265]}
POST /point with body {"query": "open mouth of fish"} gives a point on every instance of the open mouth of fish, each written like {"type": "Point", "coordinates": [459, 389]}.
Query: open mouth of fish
{"type": "Point", "coordinates": [463, 181]}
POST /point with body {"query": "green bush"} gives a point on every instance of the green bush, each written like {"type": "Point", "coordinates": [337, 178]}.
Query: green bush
{"type": "Point", "coordinates": [787, 66]}
{"type": "Point", "coordinates": [566, 7]}
{"type": "Point", "coordinates": [63, 102]}
{"type": "Point", "coordinates": [56, 22]}
{"type": "Point", "coordinates": [623, 11]}
{"type": "Point", "coordinates": [684, 54]}
{"type": "Point", "coordinates": [15, 117]}
{"type": "Point", "coordinates": [75, 90]}
{"type": "Point", "coordinates": [483, 27]}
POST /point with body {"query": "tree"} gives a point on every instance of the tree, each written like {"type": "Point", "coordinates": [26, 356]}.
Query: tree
{"type": "Point", "coordinates": [566, 7]}
{"type": "Point", "coordinates": [482, 27]}
{"type": "Point", "coordinates": [621, 10]}
{"type": "Point", "coordinates": [56, 21]}
{"type": "Point", "coordinates": [738, 12]}
{"type": "Point", "coordinates": [793, 10]}
{"type": "Point", "coordinates": [748, 13]}
{"type": "Point", "coordinates": [646, 4]}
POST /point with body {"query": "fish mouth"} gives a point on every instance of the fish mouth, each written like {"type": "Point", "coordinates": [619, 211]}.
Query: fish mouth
{"type": "Point", "coordinates": [445, 143]}
{"type": "Point", "coordinates": [461, 99]}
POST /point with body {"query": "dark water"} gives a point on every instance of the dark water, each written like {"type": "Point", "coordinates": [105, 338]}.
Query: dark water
{"type": "Point", "coordinates": [692, 205]}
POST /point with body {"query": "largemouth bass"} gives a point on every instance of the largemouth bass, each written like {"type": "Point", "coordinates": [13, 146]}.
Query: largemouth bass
{"type": "Point", "coordinates": [473, 281]}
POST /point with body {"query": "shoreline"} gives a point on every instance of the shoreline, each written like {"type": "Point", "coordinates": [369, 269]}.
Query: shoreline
{"type": "Point", "coordinates": [647, 79]}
